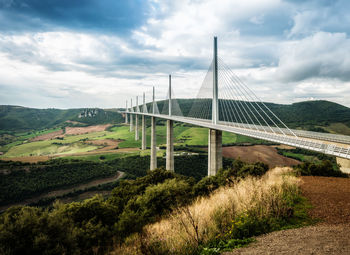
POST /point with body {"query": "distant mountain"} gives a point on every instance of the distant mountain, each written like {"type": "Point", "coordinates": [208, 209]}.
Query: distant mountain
{"type": "Point", "coordinates": [321, 112]}
{"type": "Point", "coordinates": [18, 118]}
{"type": "Point", "coordinates": [304, 115]}
{"type": "Point", "coordinates": [308, 115]}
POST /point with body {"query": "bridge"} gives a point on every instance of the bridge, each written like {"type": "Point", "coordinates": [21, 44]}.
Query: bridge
{"type": "Point", "coordinates": [225, 103]}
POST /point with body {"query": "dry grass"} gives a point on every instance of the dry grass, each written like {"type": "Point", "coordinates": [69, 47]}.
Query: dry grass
{"type": "Point", "coordinates": [210, 216]}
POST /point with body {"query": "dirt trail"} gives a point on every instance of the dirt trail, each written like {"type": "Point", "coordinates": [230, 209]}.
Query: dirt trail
{"type": "Point", "coordinates": [330, 198]}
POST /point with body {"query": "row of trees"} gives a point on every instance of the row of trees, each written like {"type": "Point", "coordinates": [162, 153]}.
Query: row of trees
{"type": "Point", "coordinates": [27, 180]}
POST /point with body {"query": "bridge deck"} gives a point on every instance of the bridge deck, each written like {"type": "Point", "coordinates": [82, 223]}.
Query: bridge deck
{"type": "Point", "coordinates": [273, 134]}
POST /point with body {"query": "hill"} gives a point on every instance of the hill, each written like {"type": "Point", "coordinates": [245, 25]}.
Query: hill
{"type": "Point", "coordinates": [17, 118]}
{"type": "Point", "coordinates": [321, 116]}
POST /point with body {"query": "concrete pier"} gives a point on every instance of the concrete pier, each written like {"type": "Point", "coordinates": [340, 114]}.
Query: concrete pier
{"type": "Point", "coordinates": [137, 127]}
{"type": "Point", "coordinates": [214, 151]}
{"type": "Point", "coordinates": [344, 165]}
{"type": "Point", "coordinates": [126, 118]}
{"type": "Point", "coordinates": [153, 163]}
{"type": "Point", "coordinates": [131, 123]}
{"type": "Point", "coordinates": [143, 134]}
{"type": "Point", "coordinates": [170, 145]}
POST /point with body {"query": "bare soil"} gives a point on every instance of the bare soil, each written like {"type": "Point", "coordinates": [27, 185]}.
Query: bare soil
{"type": "Point", "coordinates": [28, 159]}
{"type": "Point", "coordinates": [109, 144]}
{"type": "Point", "coordinates": [71, 131]}
{"type": "Point", "coordinates": [326, 239]}
{"type": "Point", "coordinates": [84, 130]}
{"type": "Point", "coordinates": [48, 136]}
{"type": "Point", "coordinates": [330, 198]}
{"type": "Point", "coordinates": [258, 153]}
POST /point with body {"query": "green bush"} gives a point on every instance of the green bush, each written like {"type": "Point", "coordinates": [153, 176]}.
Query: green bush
{"type": "Point", "coordinates": [326, 168]}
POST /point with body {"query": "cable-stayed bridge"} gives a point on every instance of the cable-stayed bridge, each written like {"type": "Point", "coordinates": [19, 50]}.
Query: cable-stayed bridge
{"type": "Point", "coordinates": [225, 103]}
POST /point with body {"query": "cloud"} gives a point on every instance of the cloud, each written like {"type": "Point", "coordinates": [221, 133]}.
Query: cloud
{"type": "Point", "coordinates": [320, 55]}
{"type": "Point", "coordinates": [107, 15]}
{"type": "Point", "coordinates": [93, 53]}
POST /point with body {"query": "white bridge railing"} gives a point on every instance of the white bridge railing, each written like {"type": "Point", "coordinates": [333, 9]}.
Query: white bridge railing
{"type": "Point", "coordinates": [277, 136]}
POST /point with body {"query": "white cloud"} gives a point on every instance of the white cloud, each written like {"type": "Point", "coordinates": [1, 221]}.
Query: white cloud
{"type": "Point", "coordinates": [320, 55]}
{"type": "Point", "coordinates": [76, 69]}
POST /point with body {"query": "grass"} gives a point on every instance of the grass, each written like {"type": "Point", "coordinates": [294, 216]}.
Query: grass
{"type": "Point", "coordinates": [28, 135]}
{"type": "Point", "coordinates": [74, 143]}
{"type": "Point", "coordinates": [106, 156]}
{"type": "Point", "coordinates": [338, 128]}
{"type": "Point", "coordinates": [249, 207]}
{"type": "Point", "coordinates": [48, 148]}
{"type": "Point", "coordinates": [301, 157]}
{"type": "Point", "coordinates": [22, 137]}
{"type": "Point", "coordinates": [111, 156]}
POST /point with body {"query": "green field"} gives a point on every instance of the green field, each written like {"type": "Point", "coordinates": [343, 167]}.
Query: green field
{"type": "Point", "coordinates": [111, 156]}
{"type": "Point", "coordinates": [70, 144]}
{"type": "Point", "coordinates": [338, 128]}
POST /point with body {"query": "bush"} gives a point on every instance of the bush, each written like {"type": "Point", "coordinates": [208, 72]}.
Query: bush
{"type": "Point", "coordinates": [326, 168]}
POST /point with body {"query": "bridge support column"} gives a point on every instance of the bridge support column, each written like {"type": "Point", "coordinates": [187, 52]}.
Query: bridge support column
{"type": "Point", "coordinates": [153, 163]}
{"type": "Point", "coordinates": [131, 123]}
{"type": "Point", "coordinates": [136, 127]}
{"type": "Point", "coordinates": [126, 118]}
{"type": "Point", "coordinates": [344, 165]}
{"type": "Point", "coordinates": [144, 138]}
{"type": "Point", "coordinates": [214, 151]}
{"type": "Point", "coordinates": [170, 145]}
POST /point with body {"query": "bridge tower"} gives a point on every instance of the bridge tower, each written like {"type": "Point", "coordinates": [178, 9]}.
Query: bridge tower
{"type": "Point", "coordinates": [170, 136]}
{"type": "Point", "coordinates": [137, 119]}
{"type": "Point", "coordinates": [131, 117]}
{"type": "Point", "coordinates": [143, 129]}
{"type": "Point", "coordinates": [153, 163]}
{"type": "Point", "coordinates": [215, 136]}
{"type": "Point", "coordinates": [126, 109]}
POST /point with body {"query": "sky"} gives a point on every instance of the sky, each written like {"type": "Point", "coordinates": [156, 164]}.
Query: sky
{"type": "Point", "coordinates": [100, 53]}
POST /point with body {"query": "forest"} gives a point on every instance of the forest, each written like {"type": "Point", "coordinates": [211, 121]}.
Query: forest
{"type": "Point", "coordinates": [20, 181]}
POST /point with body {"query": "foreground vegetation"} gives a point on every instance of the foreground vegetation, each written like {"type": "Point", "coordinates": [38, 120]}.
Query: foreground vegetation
{"type": "Point", "coordinates": [226, 219]}
{"type": "Point", "coordinates": [95, 225]}
{"type": "Point", "coordinates": [210, 214]}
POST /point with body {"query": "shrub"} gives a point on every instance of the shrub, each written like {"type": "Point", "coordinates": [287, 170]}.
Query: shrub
{"type": "Point", "coordinates": [326, 168]}
{"type": "Point", "coordinates": [256, 200]}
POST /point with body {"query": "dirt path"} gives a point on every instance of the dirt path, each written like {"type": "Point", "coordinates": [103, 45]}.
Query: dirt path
{"type": "Point", "coordinates": [61, 192]}
{"type": "Point", "coordinates": [326, 239]}
{"type": "Point", "coordinates": [330, 198]}
{"type": "Point", "coordinates": [258, 153]}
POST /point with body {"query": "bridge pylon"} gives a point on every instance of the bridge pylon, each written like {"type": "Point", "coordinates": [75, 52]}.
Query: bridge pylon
{"type": "Point", "coordinates": [153, 161]}
{"type": "Point", "coordinates": [126, 109]}
{"type": "Point", "coordinates": [131, 118]}
{"type": "Point", "coordinates": [137, 120]}
{"type": "Point", "coordinates": [143, 128]}
{"type": "Point", "coordinates": [215, 136]}
{"type": "Point", "coordinates": [170, 137]}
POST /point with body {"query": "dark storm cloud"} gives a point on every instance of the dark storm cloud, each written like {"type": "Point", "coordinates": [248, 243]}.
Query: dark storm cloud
{"type": "Point", "coordinates": [108, 15]}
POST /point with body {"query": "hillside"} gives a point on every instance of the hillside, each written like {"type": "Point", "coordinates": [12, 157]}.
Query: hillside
{"type": "Point", "coordinates": [17, 118]}
{"type": "Point", "coordinates": [310, 115]}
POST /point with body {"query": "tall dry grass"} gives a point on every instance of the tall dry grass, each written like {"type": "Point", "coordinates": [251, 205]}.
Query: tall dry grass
{"type": "Point", "coordinates": [211, 216]}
